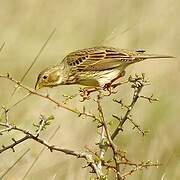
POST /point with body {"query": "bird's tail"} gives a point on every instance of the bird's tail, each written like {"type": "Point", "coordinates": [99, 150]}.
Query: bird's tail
{"type": "Point", "coordinates": [153, 56]}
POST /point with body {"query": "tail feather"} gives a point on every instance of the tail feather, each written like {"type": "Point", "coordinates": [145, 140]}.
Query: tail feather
{"type": "Point", "coordinates": [142, 57]}
{"type": "Point", "coordinates": [153, 56]}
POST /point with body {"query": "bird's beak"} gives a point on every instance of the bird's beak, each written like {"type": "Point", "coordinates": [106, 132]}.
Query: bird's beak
{"type": "Point", "coordinates": [38, 85]}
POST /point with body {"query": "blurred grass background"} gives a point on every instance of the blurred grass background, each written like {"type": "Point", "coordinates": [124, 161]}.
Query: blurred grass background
{"type": "Point", "coordinates": [151, 25]}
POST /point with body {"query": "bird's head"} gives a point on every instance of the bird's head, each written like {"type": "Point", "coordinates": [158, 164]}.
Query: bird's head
{"type": "Point", "coordinates": [49, 77]}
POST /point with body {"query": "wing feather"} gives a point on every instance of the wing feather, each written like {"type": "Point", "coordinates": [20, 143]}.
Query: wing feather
{"type": "Point", "coordinates": [97, 59]}
{"type": "Point", "coordinates": [104, 58]}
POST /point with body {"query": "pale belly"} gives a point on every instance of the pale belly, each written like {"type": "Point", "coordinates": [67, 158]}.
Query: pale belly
{"type": "Point", "coordinates": [99, 78]}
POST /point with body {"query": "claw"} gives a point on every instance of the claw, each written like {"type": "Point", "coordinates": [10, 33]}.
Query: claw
{"type": "Point", "coordinates": [109, 87]}
{"type": "Point", "coordinates": [85, 93]}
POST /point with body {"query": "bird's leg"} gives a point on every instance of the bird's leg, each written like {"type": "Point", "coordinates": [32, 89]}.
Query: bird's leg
{"type": "Point", "coordinates": [85, 92]}
{"type": "Point", "coordinates": [110, 86]}
{"type": "Point", "coordinates": [118, 84]}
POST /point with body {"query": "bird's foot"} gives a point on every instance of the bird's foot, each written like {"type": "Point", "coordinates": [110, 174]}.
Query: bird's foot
{"type": "Point", "coordinates": [109, 87]}
{"type": "Point", "coordinates": [85, 92]}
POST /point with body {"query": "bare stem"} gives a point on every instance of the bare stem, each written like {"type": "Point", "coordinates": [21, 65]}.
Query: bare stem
{"type": "Point", "coordinates": [137, 85]}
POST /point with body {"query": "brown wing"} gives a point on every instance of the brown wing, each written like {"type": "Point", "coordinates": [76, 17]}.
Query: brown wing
{"type": "Point", "coordinates": [103, 58]}
{"type": "Point", "coordinates": [98, 58]}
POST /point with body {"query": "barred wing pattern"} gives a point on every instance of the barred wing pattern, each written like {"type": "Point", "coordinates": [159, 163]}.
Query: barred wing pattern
{"type": "Point", "coordinates": [101, 58]}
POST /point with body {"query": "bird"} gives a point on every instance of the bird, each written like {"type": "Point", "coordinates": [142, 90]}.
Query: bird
{"type": "Point", "coordinates": [92, 67]}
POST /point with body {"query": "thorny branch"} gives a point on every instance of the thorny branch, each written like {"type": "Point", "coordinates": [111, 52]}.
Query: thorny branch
{"type": "Point", "coordinates": [97, 161]}
{"type": "Point", "coordinates": [47, 97]}
{"type": "Point", "coordinates": [140, 166]}
{"type": "Point", "coordinates": [30, 136]}
{"type": "Point", "coordinates": [110, 141]}
{"type": "Point", "coordinates": [137, 84]}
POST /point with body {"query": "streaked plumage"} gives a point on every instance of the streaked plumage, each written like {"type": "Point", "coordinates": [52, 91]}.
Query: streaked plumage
{"type": "Point", "coordinates": [94, 67]}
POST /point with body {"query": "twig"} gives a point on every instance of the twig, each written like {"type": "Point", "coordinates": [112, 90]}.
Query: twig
{"type": "Point", "coordinates": [68, 98]}
{"type": "Point", "coordinates": [97, 161]}
{"type": "Point", "coordinates": [102, 147]}
{"type": "Point", "coordinates": [140, 167]}
{"type": "Point", "coordinates": [42, 123]}
{"type": "Point", "coordinates": [150, 99]}
{"type": "Point", "coordinates": [111, 143]}
{"type": "Point", "coordinates": [47, 97]}
{"type": "Point", "coordinates": [138, 84]}
{"type": "Point", "coordinates": [31, 91]}
{"type": "Point", "coordinates": [28, 135]}
{"type": "Point", "coordinates": [134, 124]}
{"type": "Point", "coordinates": [143, 132]}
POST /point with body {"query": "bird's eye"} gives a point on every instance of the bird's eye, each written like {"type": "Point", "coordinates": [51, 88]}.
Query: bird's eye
{"type": "Point", "coordinates": [44, 77]}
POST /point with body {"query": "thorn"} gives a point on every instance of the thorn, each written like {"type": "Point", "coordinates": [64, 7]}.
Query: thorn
{"type": "Point", "coordinates": [13, 140]}
{"type": "Point", "coordinates": [8, 75]}
{"type": "Point", "coordinates": [13, 149]}
{"type": "Point", "coordinates": [85, 166]}
{"type": "Point", "coordinates": [51, 148]}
